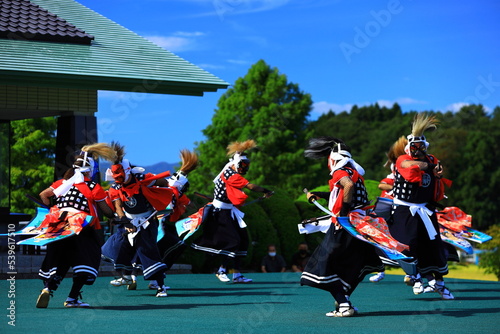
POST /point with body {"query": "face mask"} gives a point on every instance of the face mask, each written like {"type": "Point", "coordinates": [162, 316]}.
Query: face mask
{"type": "Point", "coordinates": [243, 167]}
{"type": "Point", "coordinates": [272, 254]}
{"type": "Point", "coordinates": [118, 173]}
{"type": "Point", "coordinates": [417, 150]}
{"type": "Point", "coordinates": [180, 181]}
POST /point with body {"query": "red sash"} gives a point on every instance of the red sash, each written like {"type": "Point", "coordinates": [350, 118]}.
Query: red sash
{"type": "Point", "coordinates": [158, 197]}
{"type": "Point", "coordinates": [235, 195]}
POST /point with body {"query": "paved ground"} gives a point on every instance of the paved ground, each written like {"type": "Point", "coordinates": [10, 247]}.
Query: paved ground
{"type": "Point", "coordinates": [274, 303]}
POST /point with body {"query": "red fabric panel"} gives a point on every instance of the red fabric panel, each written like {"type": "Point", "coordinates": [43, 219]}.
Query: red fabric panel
{"type": "Point", "coordinates": [411, 174]}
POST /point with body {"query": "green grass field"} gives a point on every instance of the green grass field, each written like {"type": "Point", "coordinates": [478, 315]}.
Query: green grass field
{"type": "Point", "coordinates": [462, 271]}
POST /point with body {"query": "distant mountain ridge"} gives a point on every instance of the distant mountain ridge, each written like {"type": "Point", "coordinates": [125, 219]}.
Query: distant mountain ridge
{"type": "Point", "coordinates": [162, 167]}
{"type": "Point", "coordinates": [155, 169]}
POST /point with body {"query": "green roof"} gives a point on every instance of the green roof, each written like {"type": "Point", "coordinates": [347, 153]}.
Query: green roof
{"type": "Point", "coordinates": [117, 59]}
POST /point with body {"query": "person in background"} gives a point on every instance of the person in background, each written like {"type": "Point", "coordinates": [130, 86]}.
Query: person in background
{"type": "Point", "coordinates": [300, 258]}
{"type": "Point", "coordinates": [272, 262]}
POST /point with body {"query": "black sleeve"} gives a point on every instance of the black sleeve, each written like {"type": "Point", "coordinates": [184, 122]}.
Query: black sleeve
{"type": "Point", "coordinates": [321, 194]}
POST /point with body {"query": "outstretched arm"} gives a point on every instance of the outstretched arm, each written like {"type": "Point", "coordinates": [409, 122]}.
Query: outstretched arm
{"type": "Point", "coordinates": [385, 186]}
{"type": "Point", "coordinates": [437, 169]}
{"type": "Point", "coordinates": [254, 187]}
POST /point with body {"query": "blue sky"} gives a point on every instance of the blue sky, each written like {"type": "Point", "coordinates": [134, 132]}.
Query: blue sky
{"type": "Point", "coordinates": [424, 55]}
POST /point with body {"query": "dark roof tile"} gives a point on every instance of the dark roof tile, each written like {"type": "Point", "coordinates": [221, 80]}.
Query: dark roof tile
{"type": "Point", "coordinates": [17, 17]}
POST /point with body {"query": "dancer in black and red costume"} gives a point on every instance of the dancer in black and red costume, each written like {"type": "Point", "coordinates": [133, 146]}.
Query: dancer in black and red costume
{"type": "Point", "coordinates": [137, 197]}
{"type": "Point", "coordinates": [418, 186]}
{"type": "Point", "coordinates": [170, 245]}
{"type": "Point", "coordinates": [77, 197]}
{"type": "Point", "coordinates": [341, 261]}
{"type": "Point", "coordinates": [224, 231]}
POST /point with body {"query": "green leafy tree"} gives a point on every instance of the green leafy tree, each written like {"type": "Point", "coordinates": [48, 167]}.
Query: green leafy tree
{"type": "Point", "coordinates": [477, 185]}
{"type": "Point", "coordinates": [265, 107]}
{"type": "Point", "coordinates": [474, 169]}
{"type": "Point", "coordinates": [261, 233]}
{"type": "Point", "coordinates": [490, 259]}
{"type": "Point", "coordinates": [32, 160]}
{"type": "Point", "coordinates": [284, 216]}
{"type": "Point", "coordinates": [4, 163]}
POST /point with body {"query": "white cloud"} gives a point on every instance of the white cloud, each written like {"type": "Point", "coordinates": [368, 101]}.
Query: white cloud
{"type": "Point", "coordinates": [408, 100]}
{"type": "Point", "coordinates": [224, 8]}
{"type": "Point", "coordinates": [189, 33]}
{"type": "Point", "coordinates": [385, 103]}
{"type": "Point", "coordinates": [239, 62]}
{"type": "Point", "coordinates": [455, 107]}
{"type": "Point", "coordinates": [179, 41]}
{"type": "Point", "coordinates": [323, 107]}
{"type": "Point", "coordinates": [172, 43]}
{"type": "Point", "coordinates": [210, 66]}
{"type": "Point", "coordinates": [401, 101]}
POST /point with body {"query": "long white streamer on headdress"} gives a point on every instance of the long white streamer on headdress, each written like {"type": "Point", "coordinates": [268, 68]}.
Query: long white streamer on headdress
{"type": "Point", "coordinates": [342, 158]}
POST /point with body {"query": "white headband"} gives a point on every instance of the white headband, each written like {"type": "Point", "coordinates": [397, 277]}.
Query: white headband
{"type": "Point", "coordinates": [342, 158]}
{"type": "Point", "coordinates": [89, 168]}
{"type": "Point", "coordinates": [237, 158]}
{"type": "Point", "coordinates": [77, 176]}
{"type": "Point", "coordinates": [234, 161]}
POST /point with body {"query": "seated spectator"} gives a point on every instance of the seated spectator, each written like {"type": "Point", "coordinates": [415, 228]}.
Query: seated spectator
{"type": "Point", "coordinates": [300, 258]}
{"type": "Point", "coordinates": [272, 262]}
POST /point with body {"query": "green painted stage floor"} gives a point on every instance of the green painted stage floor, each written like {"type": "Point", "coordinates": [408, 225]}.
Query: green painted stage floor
{"type": "Point", "coordinates": [273, 303]}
